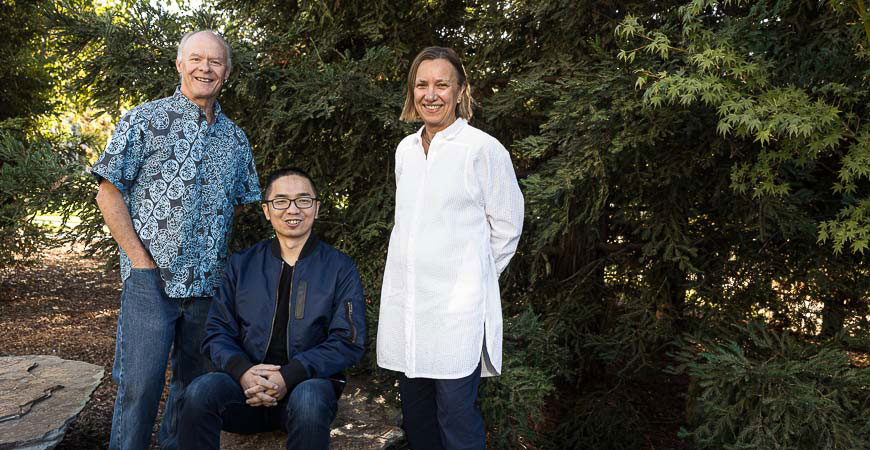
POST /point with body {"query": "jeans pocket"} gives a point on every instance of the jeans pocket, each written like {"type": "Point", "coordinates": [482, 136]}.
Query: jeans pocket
{"type": "Point", "coordinates": [144, 281]}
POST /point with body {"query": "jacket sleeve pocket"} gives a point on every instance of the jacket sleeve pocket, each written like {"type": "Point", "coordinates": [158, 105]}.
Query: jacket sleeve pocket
{"type": "Point", "coordinates": [350, 321]}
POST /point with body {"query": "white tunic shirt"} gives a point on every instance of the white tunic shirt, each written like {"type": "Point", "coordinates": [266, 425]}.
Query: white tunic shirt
{"type": "Point", "coordinates": [459, 215]}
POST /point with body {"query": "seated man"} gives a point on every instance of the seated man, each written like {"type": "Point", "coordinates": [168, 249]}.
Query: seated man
{"type": "Point", "coordinates": [288, 318]}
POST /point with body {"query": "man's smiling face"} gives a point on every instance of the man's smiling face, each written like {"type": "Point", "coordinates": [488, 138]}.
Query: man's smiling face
{"type": "Point", "coordinates": [293, 223]}
{"type": "Point", "coordinates": [203, 68]}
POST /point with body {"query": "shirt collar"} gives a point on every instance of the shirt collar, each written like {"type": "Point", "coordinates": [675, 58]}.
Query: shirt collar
{"type": "Point", "coordinates": [448, 133]}
{"type": "Point", "coordinates": [189, 105]}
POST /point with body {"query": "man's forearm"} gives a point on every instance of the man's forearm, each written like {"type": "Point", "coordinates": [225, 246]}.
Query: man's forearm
{"type": "Point", "coordinates": [117, 218]}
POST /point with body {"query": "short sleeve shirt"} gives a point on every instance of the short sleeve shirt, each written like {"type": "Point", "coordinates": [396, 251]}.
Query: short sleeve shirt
{"type": "Point", "coordinates": [180, 179]}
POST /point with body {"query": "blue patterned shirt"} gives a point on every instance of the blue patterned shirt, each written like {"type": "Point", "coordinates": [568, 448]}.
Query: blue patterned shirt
{"type": "Point", "coordinates": [180, 178]}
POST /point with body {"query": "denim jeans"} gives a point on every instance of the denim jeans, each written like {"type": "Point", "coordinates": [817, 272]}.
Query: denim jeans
{"type": "Point", "coordinates": [215, 402]}
{"type": "Point", "coordinates": [149, 325]}
{"type": "Point", "coordinates": [442, 414]}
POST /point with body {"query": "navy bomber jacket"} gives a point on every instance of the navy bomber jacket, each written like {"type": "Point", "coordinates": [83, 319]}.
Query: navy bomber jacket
{"type": "Point", "coordinates": [326, 325]}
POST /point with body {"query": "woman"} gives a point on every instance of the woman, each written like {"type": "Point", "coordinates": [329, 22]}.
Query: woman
{"type": "Point", "coordinates": [459, 214]}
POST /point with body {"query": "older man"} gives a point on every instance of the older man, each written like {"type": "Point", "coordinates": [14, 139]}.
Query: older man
{"type": "Point", "coordinates": [171, 176]}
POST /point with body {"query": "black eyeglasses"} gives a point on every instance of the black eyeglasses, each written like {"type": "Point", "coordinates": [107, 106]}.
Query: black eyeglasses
{"type": "Point", "coordinates": [284, 203]}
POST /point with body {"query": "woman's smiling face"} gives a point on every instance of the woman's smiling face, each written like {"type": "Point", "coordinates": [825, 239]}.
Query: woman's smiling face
{"type": "Point", "coordinates": [436, 93]}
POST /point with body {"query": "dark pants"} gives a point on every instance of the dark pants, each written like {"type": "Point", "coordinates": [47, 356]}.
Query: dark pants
{"type": "Point", "coordinates": [442, 414]}
{"type": "Point", "coordinates": [215, 402]}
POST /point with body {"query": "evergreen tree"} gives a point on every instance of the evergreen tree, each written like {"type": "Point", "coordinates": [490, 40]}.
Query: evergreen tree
{"type": "Point", "coordinates": [686, 166]}
{"type": "Point", "coordinates": [33, 161]}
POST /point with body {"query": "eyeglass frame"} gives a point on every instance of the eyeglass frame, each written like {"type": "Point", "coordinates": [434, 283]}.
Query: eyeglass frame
{"type": "Point", "coordinates": [292, 202]}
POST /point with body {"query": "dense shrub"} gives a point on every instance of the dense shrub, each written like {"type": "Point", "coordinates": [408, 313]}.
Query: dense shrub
{"type": "Point", "coordinates": [28, 170]}
{"type": "Point", "coordinates": [763, 390]}
{"type": "Point", "coordinates": [603, 419]}
{"type": "Point", "coordinates": [601, 400]}
{"type": "Point", "coordinates": [513, 402]}
{"type": "Point", "coordinates": [683, 163]}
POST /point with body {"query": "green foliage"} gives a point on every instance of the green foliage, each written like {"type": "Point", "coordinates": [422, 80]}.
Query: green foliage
{"type": "Point", "coordinates": [764, 390]}
{"type": "Point", "coordinates": [796, 115]}
{"type": "Point", "coordinates": [25, 80]}
{"type": "Point", "coordinates": [28, 167]}
{"type": "Point", "coordinates": [513, 403]}
{"type": "Point", "coordinates": [601, 419]}
{"type": "Point", "coordinates": [631, 341]}
{"type": "Point", "coordinates": [613, 352]}
{"type": "Point", "coordinates": [29, 173]}
{"type": "Point", "coordinates": [684, 164]}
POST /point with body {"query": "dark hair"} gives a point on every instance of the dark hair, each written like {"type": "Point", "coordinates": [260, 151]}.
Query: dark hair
{"type": "Point", "coordinates": [287, 171]}
{"type": "Point", "coordinates": [463, 110]}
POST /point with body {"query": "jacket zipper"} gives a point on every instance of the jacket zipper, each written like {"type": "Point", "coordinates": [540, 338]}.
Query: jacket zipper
{"type": "Point", "coordinates": [275, 314]}
{"type": "Point", "coordinates": [350, 322]}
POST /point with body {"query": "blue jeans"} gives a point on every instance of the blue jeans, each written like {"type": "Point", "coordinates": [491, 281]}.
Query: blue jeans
{"type": "Point", "coordinates": [215, 402]}
{"type": "Point", "coordinates": [442, 414]}
{"type": "Point", "coordinates": [149, 325]}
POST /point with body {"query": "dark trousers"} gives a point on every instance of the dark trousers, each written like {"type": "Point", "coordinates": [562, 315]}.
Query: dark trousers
{"type": "Point", "coordinates": [215, 401]}
{"type": "Point", "coordinates": [442, 414]}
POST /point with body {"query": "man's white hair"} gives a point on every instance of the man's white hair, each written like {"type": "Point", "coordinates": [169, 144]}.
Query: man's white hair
{"type": "Point", "coordinates": [214, 33]}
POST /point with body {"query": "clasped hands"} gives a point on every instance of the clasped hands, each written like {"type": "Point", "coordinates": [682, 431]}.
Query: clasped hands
{"type": "Point", "coordinates": [263, 385]}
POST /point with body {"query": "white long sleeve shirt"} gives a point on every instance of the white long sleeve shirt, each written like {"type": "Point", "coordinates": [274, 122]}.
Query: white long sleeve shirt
{"type": "Point", "coordinates": [459, 215]}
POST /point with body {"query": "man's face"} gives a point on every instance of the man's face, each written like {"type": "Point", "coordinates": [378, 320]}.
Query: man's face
{"type": "Point", "coordinates": [203, 68]}
{"type": "Point", "coordinates": [292, 223]}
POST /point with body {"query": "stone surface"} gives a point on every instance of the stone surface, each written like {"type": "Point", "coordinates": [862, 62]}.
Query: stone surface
{"type": "Point", "coordinates": [363, 422]}
{"type": "Point", "coordinates": [40, 396]}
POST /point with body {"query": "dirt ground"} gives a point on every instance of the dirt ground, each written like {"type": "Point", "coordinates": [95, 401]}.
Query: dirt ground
{"type": "Point", "coordinates": [67, 306]}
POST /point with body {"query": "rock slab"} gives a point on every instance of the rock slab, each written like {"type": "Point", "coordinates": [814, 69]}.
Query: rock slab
{"type": "Point", "coordinates": [40, 396]}
{"type": "Point", "coordinates": [364, 422]}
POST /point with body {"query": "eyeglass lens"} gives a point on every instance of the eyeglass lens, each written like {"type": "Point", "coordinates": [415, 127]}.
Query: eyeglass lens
{"type": "Point", "coordinates": [284, 203]}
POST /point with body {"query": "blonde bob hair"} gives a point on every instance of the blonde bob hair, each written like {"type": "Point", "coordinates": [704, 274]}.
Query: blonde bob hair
{"type": "Point", "coordinates": [463, 109]}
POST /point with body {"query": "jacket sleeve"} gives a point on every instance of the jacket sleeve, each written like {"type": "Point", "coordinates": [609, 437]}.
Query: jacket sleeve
{"type": "Point", "coordinates": [345, 343]}
{"type": "Point", "coordinates": [223, 336]}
